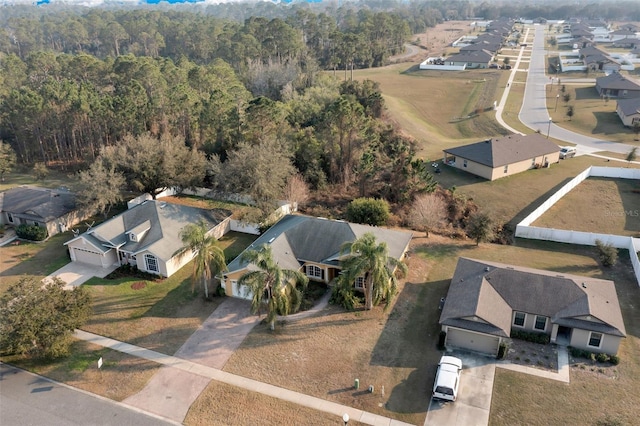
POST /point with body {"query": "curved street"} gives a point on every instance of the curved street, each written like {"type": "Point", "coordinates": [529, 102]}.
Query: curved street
{"type": "Point", "coordinates": [534, 113]}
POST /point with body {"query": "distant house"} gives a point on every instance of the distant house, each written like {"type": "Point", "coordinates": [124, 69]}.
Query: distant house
{"type": "Point", "coordinates": [312, 245]}
{"type": "Point", "coordinates": [486, 301]}
{"type": "Point", "coordinates": [629, 111]}
{"type": "Point", "coordinates": [146, 236]}
{"type": "Point", "coordinates": [595, 59]}
{"type": "Point", "coordinates": [48, 208]}
{"type": "Point", "coordinates": [617, 85]}
{"type": "Point", "coordinates": [500, 157]}
{"type": "Point", "coordinates": [470, 60]}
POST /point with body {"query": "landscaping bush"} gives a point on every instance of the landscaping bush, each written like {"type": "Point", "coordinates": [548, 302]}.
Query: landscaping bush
{"type": "Point", "coordinates": [614, 359]}
{"type": "Point", "coordinates": [370, 211]}
{"type": "Point", "coordinates": [602, 357]}
{"type": "Point", "coordinates": [442, 337]}
{"type": "Point", "coordinates": [607, 253]}
{"type": "Point", "coordinates": [530, 336]}
{"type": "Point", "coordinates": [31, 232]}
{"type": "Point", "coordinates": [502, 351]}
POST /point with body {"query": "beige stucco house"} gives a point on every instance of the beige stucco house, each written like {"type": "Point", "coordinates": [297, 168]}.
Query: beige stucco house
{"type": "Point", "coordinates": [312, 245]}
{"type": "Point", "coordinates": [146, 236]}
{"type": "Point", "coordinates": [500, 157]}
{"type": "Point", "coordinates": [487, 300]}
{"type": "Point", "coordinates": [629, 111]}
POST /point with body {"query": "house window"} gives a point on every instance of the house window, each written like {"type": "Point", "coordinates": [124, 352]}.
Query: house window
{"type": "Point", "coordinates": [10, 216]}
{"type": "Point", "coordinates": [595, 339]}
{"type": "Point", "coordinates": [533, 161]}
{"type": "Point", "coordinates": [360, 283]}
{"type": "Point", "coordinates": [506, 168]}
{"type": "Point", "coordinates": [634, 120]}
{"type": "Point", "coordinates": [541, 323]}
{"type": "Point", "coordinates": [464, 163]}
{"type": "Point", "coordinates": [518, 319]}
{"type": "Point", "coordinates": [151, 263]}
{"type": "Point", "coordinates": [315, 272]}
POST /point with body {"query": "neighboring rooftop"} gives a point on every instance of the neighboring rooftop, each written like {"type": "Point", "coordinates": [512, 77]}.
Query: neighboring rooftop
{"type": "Point", "coordinates": [37, 203]}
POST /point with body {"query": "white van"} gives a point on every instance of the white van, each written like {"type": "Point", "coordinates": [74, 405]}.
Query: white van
{"type": "Point", "coordinates": [447, 378]}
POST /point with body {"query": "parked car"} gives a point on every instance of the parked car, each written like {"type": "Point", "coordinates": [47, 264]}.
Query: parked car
{"type": "Point", "coordinates": [506, 67]}
{"type": "Point", "coordinates": [447, 378]}
{"type": "Point", "coordinates": [567, 152]}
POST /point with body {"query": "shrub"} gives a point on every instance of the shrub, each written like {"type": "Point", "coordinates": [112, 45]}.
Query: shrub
{"type": "Point", "coordinates": [530, 336]}
{"type": "Point", "coordinates": [370, 211]}
{"type": "Point", "coordinates": [31, 232]}
{"type": "Point", "coordinates": [614, 359]}
{"type": "Point", "coordinates": [442, 337]}
{"type": "Point", "coordinates": [602, 357]}
{"type": "Point", "coordinates": [607, 253]}
{"type": "Point", "coordinates": [502, 351]}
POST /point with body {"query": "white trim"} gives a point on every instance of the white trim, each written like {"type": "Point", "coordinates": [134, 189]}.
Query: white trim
{"type": "Point", "coordinates": [314, 271]}
{"type": "Point", "coordinates": [149, 260]}
{"type": "Point", "coordinates": [359, 283]}
{"type": "Point", "coordinates": [536, 323]}
{"type": "Point", "coordinates": [524, 322]}
{"type": "Point", "coordinates": [591, 333]}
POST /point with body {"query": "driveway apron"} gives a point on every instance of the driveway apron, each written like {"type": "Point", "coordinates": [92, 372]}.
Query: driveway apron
{"type": "Point", "coordinates": [171, 391]}
{"type": "Point", "coordinates": [75, 274]}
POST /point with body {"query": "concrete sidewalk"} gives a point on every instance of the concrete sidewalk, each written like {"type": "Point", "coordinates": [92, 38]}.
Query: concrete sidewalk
{"type": "Point", "coordinates": [242, 382]}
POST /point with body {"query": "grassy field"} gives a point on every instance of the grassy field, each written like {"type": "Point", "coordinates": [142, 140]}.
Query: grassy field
{"type": "Point", "coordinates": [160, 316]}
{"type": "Point", "coordinates": [593, 117]}
{"type": "Point", "coordinates": [424, 105]}
{"type": "Point", "coordinates": [607, 205]}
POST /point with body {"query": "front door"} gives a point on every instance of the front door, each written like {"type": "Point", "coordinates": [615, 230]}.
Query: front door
{"type": "Point", "coordinates": [564, 335]}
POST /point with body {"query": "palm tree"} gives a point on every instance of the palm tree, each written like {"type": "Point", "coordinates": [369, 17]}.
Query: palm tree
{"type": "Point", "coordinates": [271, 286]}
{"type": "Point", "coordinates": [370, 260]}
{"type": "Point", "coordinates": [208, 256]}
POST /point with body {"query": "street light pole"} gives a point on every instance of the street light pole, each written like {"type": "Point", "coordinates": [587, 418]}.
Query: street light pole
{"type": "Point", "coordinates": [549, 128]}
{"type": "Point", "coordinates": [557, 97]}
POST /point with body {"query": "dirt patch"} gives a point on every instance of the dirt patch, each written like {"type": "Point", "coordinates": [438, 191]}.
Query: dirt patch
{"type": "Point", "coordinates": [138, 285]}
{"type": "Point", "coordinates": [437, 41]}
{"type": "Point", "coordinates": [534, 355]}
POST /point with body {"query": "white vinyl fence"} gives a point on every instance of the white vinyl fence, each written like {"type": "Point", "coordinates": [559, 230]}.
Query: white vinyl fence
{"type": "Point", "coordinates": [525, 230]}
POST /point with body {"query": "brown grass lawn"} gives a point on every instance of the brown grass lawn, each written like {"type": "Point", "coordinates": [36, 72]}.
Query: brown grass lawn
{"type": "Point", "coordinates": [218, 405]}
{"type": "Point", "coordinates": [121, 375]}
{"type": "Point", "coordinates": [22, 176]}
{"type": "Point", "coordinates": [160, 316]}
{"type": "Point", "coordinates": [593, 116]}
{"type": "Point", "coordinates": [423, 102]}
{"type": "Point", "coordinates": [511, 199]}
{"type": "Point", "coordinates": [205, 203]}
{"type": "Point", "coordinates": [396, 349]}
{"type": "Point", "coordinates": [606, 205]}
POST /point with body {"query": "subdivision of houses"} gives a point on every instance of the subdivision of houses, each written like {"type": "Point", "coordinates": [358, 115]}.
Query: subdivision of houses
{"type": "Point", "coordinates": [500, 157]}
{"type": "Point", "coordinates": [487, 300]}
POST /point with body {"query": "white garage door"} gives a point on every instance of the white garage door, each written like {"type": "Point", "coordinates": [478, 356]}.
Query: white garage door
{"type": "Point", "coordinates": [87, 256]}
{"type": "Point", "coordinates": [472, 341]}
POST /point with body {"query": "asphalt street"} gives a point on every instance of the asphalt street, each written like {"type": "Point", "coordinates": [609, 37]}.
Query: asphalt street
{"type": "Point", "coordinates": [534, 112]}
{"type": "Point", "coordinates": [29, 399]}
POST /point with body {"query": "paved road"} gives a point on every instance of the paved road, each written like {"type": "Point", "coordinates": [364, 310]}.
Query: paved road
{"type": "Point", "coordinates": [29, 399]}
{"type": "Point", "coordinates": [534, 112]}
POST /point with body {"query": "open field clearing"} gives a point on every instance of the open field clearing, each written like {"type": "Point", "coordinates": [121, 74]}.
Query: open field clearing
{"type": "Point", "coordinates": [608, 206]}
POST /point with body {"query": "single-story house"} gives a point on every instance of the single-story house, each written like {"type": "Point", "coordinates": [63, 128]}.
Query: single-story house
{"type": "Point", "coordinates": [470, 60]}
{"type": "Point", "coordinates": [312, 245]}
{"type": "Point", "coordinates": [54, 209]}
{"type": "Point", "coordinates": [499, 157]}
{"type": "Point", "coordinates": [617, 85]}
{"type": "Point", "coordinates": [488, 300]}
{"type": "Point", "coordinates": [146, 236]}
{"type": "Point", "coordinates": [629, 111]}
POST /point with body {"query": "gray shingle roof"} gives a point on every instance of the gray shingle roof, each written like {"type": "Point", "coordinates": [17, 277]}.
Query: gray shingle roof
{"type": "Point", "coordinates": [40, 204]}
{"type": "Point", "coordinates": [481, 56]}
{"type": "Point", "coordinates": [492, 291]}
{"type": "Point", "coordinates": [162, 221]}
{"type": "Point", "coordinates": [296, 239]}
{"type": "Point", "coordinates": [510, 149]}
{"type": "Point", "coordinates": [617, 81]}
{"type": "Point", "coordinates": [629, 106]}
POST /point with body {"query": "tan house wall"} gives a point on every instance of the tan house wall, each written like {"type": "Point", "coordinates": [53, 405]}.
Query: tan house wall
{"type": "Point", "coordinates": [609, 344]}
{"type": "Point", "coordinates": [628, 120]}
{"type": "Point", "coordinates": [473, 167]}
{"type": "Point", "coordinates": [512, 169]}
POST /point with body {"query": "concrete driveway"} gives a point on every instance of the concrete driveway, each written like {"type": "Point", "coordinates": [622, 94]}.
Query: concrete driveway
{"type": "Point", "coordinates": [474, 395]}
{"type": "Point", "coordinates": [76, 273]}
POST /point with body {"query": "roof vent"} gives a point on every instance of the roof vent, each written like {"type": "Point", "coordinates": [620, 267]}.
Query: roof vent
{"type": "Point", "coordinates": [486, 269]}
{"type": "Point", "coordinates": [584, 285]}
{"type": "Point", "coordinates": [271, 240]}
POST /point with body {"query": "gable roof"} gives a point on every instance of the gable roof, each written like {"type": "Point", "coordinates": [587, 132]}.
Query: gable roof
{"type": "Point", "coordinates": [629, 106]}
{"type": "Point", "coordinates": [491, 291]}
{"type": "Point", "coordinates": [158, 223]}
{"type": "Point", "coordinates": [37, 203]}
{"type": "Point", "coordinates": [615, 80]}
{"type": "Point", "coordinates": [482, 56]}
{"type": "Point", "coordinates": [510, 149]}
{"type": "Point", "coordinates": [296, 239]}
